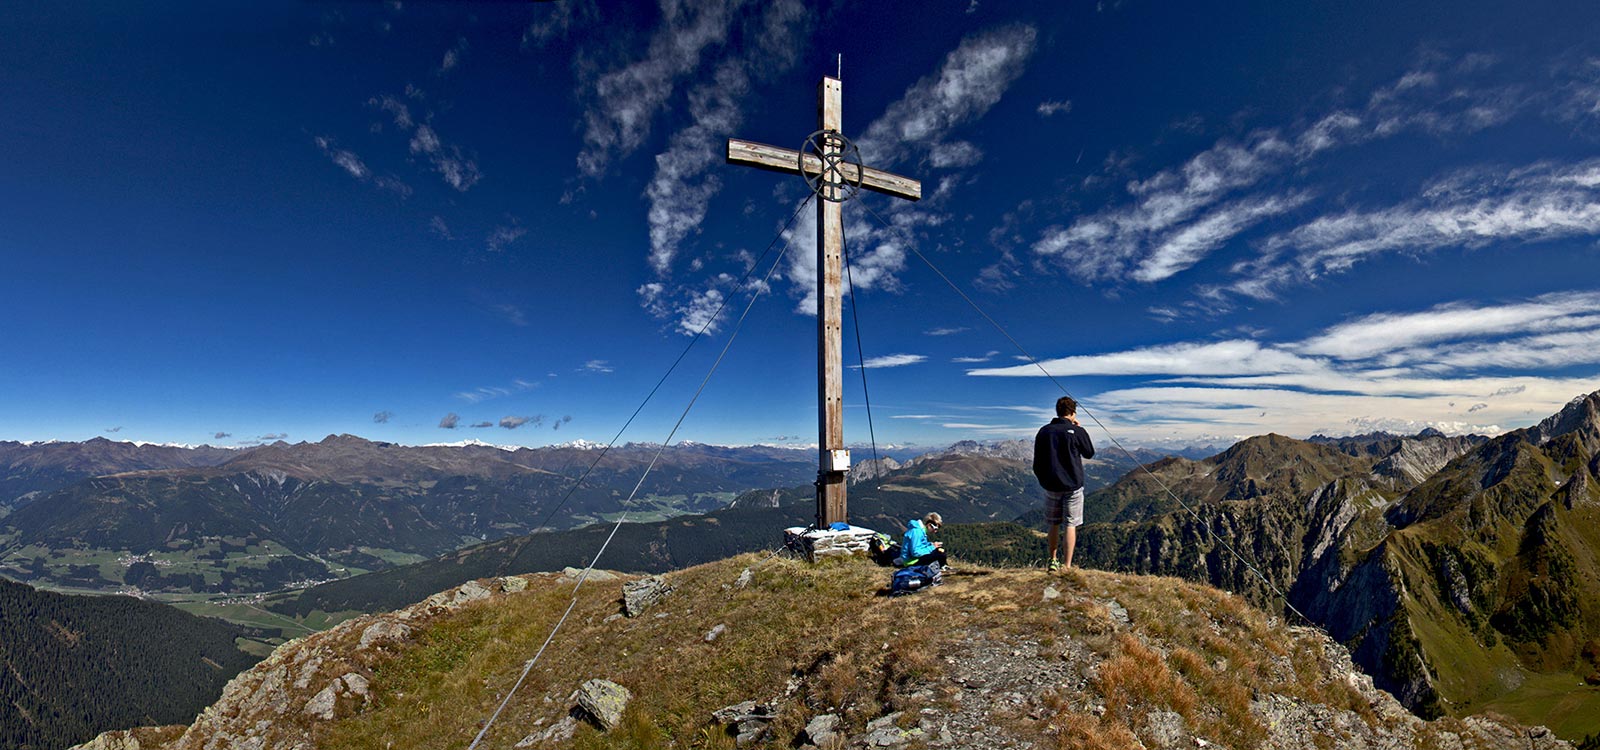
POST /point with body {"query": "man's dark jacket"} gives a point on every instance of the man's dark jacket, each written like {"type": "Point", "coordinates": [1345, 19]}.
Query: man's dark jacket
{"type": "Point", "coordinates": [1058, 454]}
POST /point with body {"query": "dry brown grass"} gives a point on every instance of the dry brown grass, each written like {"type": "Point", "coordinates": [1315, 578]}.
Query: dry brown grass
{"type": "Point", "coordinates": [819, 638]}
{"type": "Point", "coordinates": [1085, 732]}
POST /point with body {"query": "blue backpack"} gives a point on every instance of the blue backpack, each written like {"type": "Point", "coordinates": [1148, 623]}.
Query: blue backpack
{"type": "Point", "coordinates": [915, 578]}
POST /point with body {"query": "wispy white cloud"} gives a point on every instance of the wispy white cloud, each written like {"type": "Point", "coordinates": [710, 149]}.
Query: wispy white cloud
{"type": "Point", "coordinates": [1209, 358]}
{"type": "Point", "coordinates": [484, 393]}
{"type": "Point", "coordinates": [627, 99]}
{"type": "Point", "coordinates": [695, 310]}
{"type": "Point", "coordinates": [558, 21]}
{"type": "Point", "coordinates": [1578, 100]}
{"type": "Point", "coordinates": [1052, 108]}
{"type": "Point", "coordinates": [439, 228]}
{"type": "Point", "coordinates": [513, 314]}
{"type": "Point", "coordinates": [975, 360]}
{"type": "Point", "coordinates": [945, 331]}
{"type": "Point", "coordinates": [393, 185]}
{"type": "Point", "coordinates": [1107, 244]}
{"type": "Point", "coordinates": [1181, 215]}
{"type": "Point", "coordinates": [1545, 351]}
{"type": "Point", "coordinates": [877, 267]}
{"type": "Point", "coordinates": [345, 159]}
{"type": "Point", "coordinates": [1381, 333]}
{"type": "Point", "coordinates": [686, 173]}
{"type": "Point", "coordinates": [1183, 248]}
{"type": "Point", "coordinates": [597, 366]}
{"type": "Point", "coordinates": [1442, 367]}
{"type": "Point", "coordinates": [699, 312]}
{"type": "Point", "coordinates": [972, 79]}
{"type": "Point", "coordinates": [891, 360]}
{"type": "Point", "coordinates": [684, 182]}
{"type": "Point", "coordinates": [1541, 202]}
{"type": "Point", "coordinates": [356, 168]}
{"type": "Point", "coordinates": [502, 237]}
{"type": "Point", "coordinates": [452, 56]}
{"type": "Point", "coordinates": [458, 171]}
{"type": "Point", "coordinates": [396, 108]}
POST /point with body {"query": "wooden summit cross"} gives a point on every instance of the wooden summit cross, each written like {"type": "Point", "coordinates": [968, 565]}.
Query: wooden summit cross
{"type": "Point", "coordinates": [832, 166]}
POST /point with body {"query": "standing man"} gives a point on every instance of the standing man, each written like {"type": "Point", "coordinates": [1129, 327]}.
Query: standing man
{"type": "Point", "coordinates": [1058, 454]}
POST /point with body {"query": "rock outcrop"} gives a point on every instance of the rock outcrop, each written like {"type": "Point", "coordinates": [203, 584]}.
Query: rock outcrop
{"type": "Point", "coordinates": [640, 595]}
{"type": "Point", "coordinates": [603, 701]}
{"type": "Point", "coordinates": [307, 682]}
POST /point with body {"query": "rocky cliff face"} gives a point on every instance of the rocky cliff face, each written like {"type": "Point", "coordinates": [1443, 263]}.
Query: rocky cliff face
{"type": "Point", "coordinates": [1019, 659]}
{"type": "Point", "coordinates": [1449, 566]}
{"type": "Point", "coordinates": [1413, 461]}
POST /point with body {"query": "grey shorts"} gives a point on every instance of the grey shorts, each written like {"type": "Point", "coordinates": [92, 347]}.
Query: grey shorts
{"type": "Point", "coordinates": [1063, 506]}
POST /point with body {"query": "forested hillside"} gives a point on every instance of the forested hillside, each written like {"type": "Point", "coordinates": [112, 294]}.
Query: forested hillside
{"type": "Point", "coordinates": [74, 666]}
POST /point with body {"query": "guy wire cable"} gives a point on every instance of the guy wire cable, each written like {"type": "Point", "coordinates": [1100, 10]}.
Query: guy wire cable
{"type": "Point", "coordinates": [911, 242]}
{"type": "Point", "coordinates": [624, 517]}
{"type": "Point", "coordinates": [877, 464]}
{"type": "Point", "coordinates": [526, 538]}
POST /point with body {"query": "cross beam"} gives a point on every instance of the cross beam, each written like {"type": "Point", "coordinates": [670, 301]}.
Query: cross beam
{"type": "Point", "coordinates": [830, 250]}
{"type": "Point", "coordinates": [762, 156]}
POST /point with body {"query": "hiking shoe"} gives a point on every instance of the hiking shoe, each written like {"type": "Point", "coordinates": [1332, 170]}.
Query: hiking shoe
{"type": "Point", "coordinates": [1055, 565]}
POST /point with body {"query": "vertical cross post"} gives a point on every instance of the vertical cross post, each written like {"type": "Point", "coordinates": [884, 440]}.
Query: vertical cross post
{"type": "Point", "coordinates": [837, 180]}
{"type": "Point", "coordinates": [830, 320]}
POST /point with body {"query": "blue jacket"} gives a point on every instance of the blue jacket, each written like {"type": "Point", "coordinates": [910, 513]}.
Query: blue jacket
{"type": "Point", "coordinates": [916, 544]}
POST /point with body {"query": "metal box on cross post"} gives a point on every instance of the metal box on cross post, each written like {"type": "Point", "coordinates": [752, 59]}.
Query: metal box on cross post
{"type": "Point", "coordinates": [836, 460]}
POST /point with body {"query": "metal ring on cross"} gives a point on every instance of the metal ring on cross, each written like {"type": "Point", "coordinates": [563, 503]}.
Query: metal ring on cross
{"type": "Point", "coordinates": [835, 182]}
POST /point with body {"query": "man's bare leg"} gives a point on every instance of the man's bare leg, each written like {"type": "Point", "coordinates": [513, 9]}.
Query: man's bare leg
{"type": "Point", "coordinates": [1072, 543]}
{"type": "Point", "coordinates": [1055, 539]}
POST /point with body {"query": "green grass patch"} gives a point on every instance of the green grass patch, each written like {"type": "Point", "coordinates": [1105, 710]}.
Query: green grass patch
{"type": "Point", "coordinates": [1560, 701]}
{"type": "Point", "coordinates": [392, 556]}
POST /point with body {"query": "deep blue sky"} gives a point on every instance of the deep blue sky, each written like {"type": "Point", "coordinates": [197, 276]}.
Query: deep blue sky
{"type": "Point", "coordinates": [220, 223]}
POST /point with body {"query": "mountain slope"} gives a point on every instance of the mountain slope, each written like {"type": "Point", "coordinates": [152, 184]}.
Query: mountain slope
{"type": "Point", "coordinates": [1491, 573]}
{"type": "Point", "coordinates": [74, 666]}
{"type": "Point", "coordinates": [1474, 588]}
{"type": "Point", "coordinates": [281, 514]}
{"type": "Point", "coordinates": [963, 489]}
{"type": "Point", "coordinates": [1016, 659]}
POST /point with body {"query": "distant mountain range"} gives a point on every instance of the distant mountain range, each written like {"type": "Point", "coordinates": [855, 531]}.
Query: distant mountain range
{"type": "Point", "coordinates": [28, 470]}
{"type": "Point", "coordinates": [208, 520]}
{"type": "Point", "coordinates": [106, 516]}
{"type": "Point", "coordinates": [963, 488]}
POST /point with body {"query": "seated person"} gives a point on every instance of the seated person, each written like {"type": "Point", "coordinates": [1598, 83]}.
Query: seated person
{"type": "Point", "coordinates": [916, 549]}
